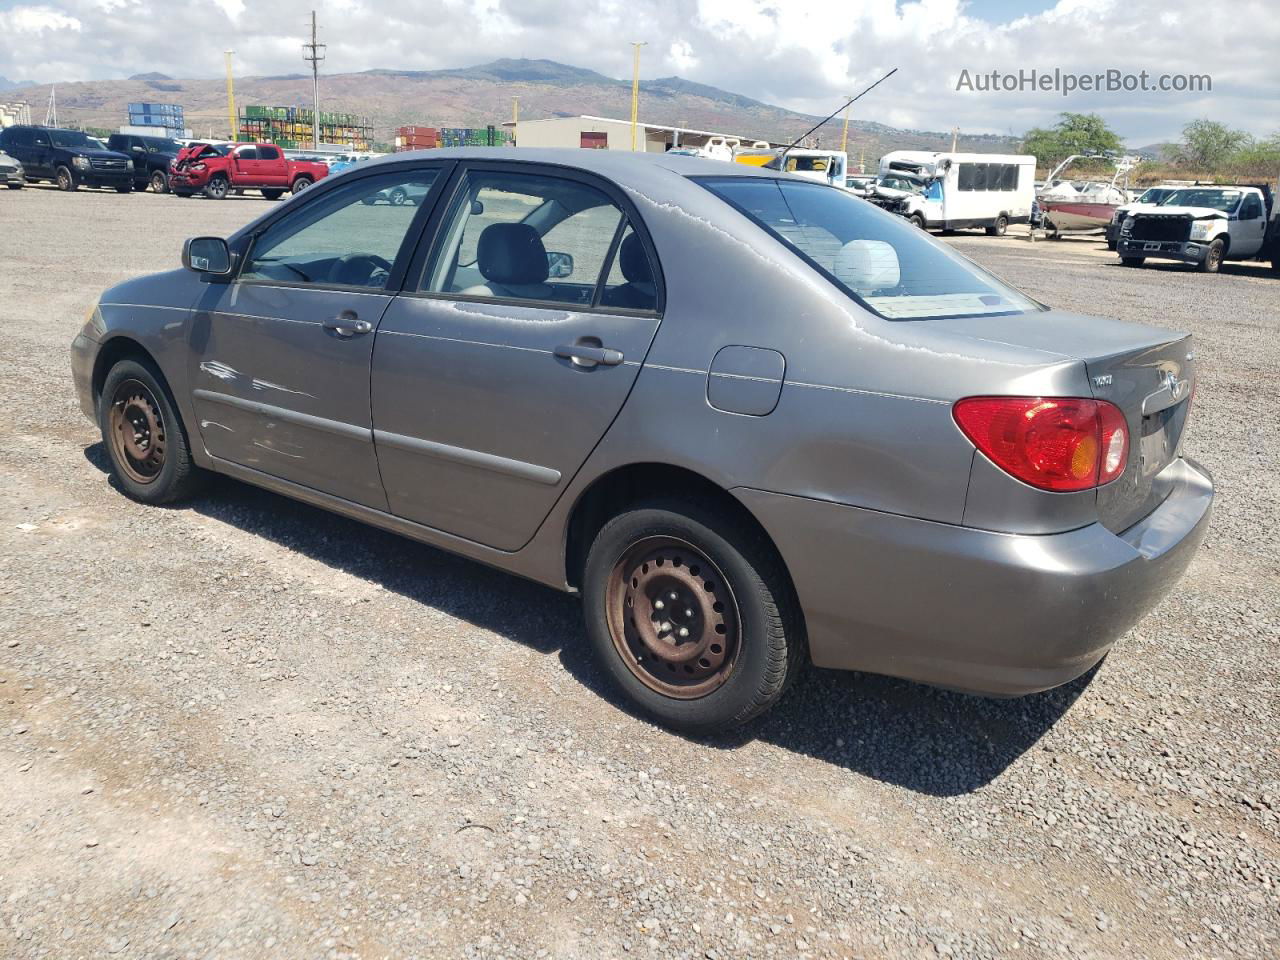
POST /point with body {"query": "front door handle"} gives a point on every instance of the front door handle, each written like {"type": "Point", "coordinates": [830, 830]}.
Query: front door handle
{"type": "Point", "coordinates": [347, 324]}
{"type": "Point", "coordinates": [589, 355]}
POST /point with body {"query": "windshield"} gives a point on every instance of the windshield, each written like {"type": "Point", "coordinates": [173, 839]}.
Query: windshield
{"type": "Point", "coordinates": [899, 183]}
{"type": "Point", "coordinates": [882, 261]}
{"type": "Point", "coordinates": [1224, 200]}
{"type": "Point", "coordinates": [806, 163]}
{"type": "Point", "coordinates": [72, 139]}
{"type": "Point", "coordinates": [1154, 195]}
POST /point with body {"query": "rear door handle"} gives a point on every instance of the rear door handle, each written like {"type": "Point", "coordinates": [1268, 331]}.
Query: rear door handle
{"type": "Point", "coordinates": [585, 355]}
{"type": "Point", "coordinates": [347, 324]}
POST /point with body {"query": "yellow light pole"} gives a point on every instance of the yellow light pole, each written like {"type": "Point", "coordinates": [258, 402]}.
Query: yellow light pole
{"type": "Point", "coordinates": [231, 96]}
{"type": "Point", "coordinates": [635, 89]}
{"type": "Point", "coordinates": [515, 121]}
{"type": "Point", "coordinates": [844, 137]}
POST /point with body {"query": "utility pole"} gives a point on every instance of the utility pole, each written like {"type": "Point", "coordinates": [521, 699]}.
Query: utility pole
{"type": "Point", "coordinates": [51, 112]}
{"type": "Point", "coordinates": [844, 137]}
{"type": "Point", "coordinates": [955, 135]}
{"type": "Point", "coordinates": [313, 53]}
{"type": "Point", "coordinates": [231, 96]}
{"type": "Point", "coordinates": [515, 121]}
{"type": "Point", "coordinates": [635, 89]}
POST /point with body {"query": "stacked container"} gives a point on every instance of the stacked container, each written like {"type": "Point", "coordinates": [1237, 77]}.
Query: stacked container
{"type": "Point", "coordinates": [417, 138]}
{"type": "Point", "coordinates": [161, 119]}
{"type": "Point", "coordinates": [294, 126]}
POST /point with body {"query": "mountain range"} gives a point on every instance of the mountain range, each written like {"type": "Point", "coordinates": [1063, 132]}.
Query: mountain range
{"type": "Point", "coordinates": [480, 95]}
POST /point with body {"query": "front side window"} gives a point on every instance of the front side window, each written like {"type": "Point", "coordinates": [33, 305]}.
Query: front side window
{"type": "Point", "coordinates": [519, 236]}
{"type": "Point", "coordinates": [1251, 209]}
{"type": "Point", "coordinates": [881, 261]}
{"type": "Point", "coordinates": [247, 153]}
{"type": "Point", "coordinates": [342, 238]}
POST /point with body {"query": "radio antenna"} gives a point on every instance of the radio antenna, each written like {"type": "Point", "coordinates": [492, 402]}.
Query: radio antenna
{"type": "Point", "coordinates": [782, 157]}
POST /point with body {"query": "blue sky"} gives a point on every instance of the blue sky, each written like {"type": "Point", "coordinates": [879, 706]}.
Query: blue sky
{"type": "Point", "coordinates": [799, 55]}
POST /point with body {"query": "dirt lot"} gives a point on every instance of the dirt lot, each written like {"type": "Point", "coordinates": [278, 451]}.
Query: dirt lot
{"type": "Point", "coordinates": [246, 728]}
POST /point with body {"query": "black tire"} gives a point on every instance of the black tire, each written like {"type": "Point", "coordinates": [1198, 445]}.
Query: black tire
{"type": "Point", "coordinates": [1132, 261]}
{"type": "Point", "coordinates": [917, 219]}
{"type": "Point", "coordinates": [999, 228]}
{"type": "Point", "coordinates": [1275, 259]}
{"type": "Point", "coordinates": [135, 389]}
{"type": "Point", "coordinates": [398, 197]}
{"type": "Point", "coordinates": [1111, 245]}
{"type": "Point", "coordinates": [1212, 261]}
{"type": "Point", "coordinates": [124, 188]}
{"type": "Point", "coordinates": [273, 194]}
{"type": "Point", "coordinates": [184, 194]}
{"type": "Point", "coordinates": [66, 180]}
{"type": "Point", "coordinates": [1051, 231]}
{"type": "Point", "coordinates": [217, 188]}
{"type": "Point", "coordinates": [159, 182]}
{"type": "Point", "coordinates": [15, 186]}
{"type": "Point", "coordinates": [301, 184]}
{"type": "Point", "coordinates": [764, 642]}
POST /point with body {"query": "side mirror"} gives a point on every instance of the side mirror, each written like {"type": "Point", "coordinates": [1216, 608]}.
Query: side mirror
{"type": "Point", "coordinates": [559, 265]}
{"type": "Point", "coordinates": [207, 255]}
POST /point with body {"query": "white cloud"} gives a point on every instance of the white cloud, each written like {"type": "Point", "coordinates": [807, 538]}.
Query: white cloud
{"type": "Point", "coordinates": [800, 55]}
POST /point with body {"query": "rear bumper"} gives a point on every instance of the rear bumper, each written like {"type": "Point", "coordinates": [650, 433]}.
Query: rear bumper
{"type": "Point", "coordinates": [974, 610]}
{"type": "Point", "coordinates": [1187, 252]}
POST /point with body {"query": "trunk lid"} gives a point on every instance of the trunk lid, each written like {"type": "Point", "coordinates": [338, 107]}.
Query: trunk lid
{"type": "Point", "coordinates": [1147, 372]}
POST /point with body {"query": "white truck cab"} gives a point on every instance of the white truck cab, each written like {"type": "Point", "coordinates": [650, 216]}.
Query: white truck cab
{"type": "Point", "coordinates": [824, 166]}
{"type": "Point", "coordinates": [1203, 226]}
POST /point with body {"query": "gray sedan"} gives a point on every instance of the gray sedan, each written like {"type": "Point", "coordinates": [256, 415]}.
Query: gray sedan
{"type": "Point", "coordinates": [750, 419]}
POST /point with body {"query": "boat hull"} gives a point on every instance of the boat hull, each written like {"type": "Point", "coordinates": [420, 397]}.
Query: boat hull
{"type": "Point", "coordinates": [1078, 215]}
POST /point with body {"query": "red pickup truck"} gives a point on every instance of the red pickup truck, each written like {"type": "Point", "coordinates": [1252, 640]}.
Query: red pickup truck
{"type": "Point", "coordinates": [217, 170]}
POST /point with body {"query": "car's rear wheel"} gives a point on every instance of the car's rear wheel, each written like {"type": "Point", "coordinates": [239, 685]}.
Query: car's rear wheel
{"type": "Point", "coordinates": [999, 228]}
{"type": "Point", "coordinates": [691, 614]}
{"type": "Point", "coordinates": [145, 439]}
{"type": "Point", "coordinates": [159, 182]}
{"type": "Point", "coordinates": [398, 197]}
{"type": "Point", "coordinates": [301, 184]}
{"type": "Point", "coordinates": [66, 180]}
{"type": "Point", "coordinates": [217, 188]}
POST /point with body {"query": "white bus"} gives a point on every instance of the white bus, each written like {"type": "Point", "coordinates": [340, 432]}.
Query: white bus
{"type": "Point", "coordinates": [966, 189]}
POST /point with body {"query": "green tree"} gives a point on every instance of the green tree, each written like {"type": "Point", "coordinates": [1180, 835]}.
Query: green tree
{"type": "Point", "coordinates": [1209, 146]}
{"type": "Point", "coordinates": [1257, 158]}
{"type": "Point", "coordinates": [1073, 133]}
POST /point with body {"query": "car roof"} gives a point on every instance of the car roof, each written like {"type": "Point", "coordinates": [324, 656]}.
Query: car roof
{"type": "Point", "coordinates": [617, 165]}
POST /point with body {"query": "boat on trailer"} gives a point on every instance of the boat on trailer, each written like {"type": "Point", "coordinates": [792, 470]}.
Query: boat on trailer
{"type": "Point", "coordinates": [1075, 205]}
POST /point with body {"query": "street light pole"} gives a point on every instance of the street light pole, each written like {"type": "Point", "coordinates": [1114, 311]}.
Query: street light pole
{"type": "Point", "coordinates": [231, 97]}
{"type": "Point", "coordinates": [635, 89]}
{"type": "Point", "coordinates": [313, 53]}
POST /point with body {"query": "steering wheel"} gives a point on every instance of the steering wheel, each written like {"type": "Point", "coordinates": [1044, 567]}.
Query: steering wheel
{"type": "Point", "coordinates": [360, 270]}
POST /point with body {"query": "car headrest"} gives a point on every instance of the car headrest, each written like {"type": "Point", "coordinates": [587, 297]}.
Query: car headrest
{"type": "Point", "coordinates": [633, 260]}
{"type": "Point", "coordinates": [866, 265]}
{"type": "Point", "coordinates": [511, 253]}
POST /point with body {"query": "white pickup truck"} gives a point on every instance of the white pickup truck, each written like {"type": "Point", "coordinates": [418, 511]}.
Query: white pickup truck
{"type": "Point", "coordinates": [1203, 226]}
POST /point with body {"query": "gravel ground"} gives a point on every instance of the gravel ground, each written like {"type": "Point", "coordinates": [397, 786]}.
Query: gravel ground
{"type": "Point", "coordinates": [246, 728]}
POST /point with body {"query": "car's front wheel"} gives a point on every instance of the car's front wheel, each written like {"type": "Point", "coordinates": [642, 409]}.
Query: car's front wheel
{"type": "Point", "coordinates": [217, 188]}
{"type": "Point", "coordinates": [1212, 261]}
{"type": "Point", "coordinates": [150, 455]}
{"type": "Point", "coordinates": [159, 182]}
{"type": "Point", "coordinates": [690, 612]}
{"type": "Point", "coordinates": [66, 180]}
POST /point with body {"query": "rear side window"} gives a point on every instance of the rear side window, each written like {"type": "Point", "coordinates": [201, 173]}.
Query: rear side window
{"type": "Point", "coordinates": [883, 262]}
{"type": "Point", "coordinates": [268, 153]}
{"type": "Point", "coordinates": [521, 236]}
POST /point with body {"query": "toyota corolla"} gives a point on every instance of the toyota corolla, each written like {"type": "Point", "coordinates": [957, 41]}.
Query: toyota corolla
{"type": "Point", "coordinates": [750, 419]}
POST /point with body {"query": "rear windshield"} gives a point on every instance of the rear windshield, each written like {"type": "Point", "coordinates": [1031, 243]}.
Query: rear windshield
{"type": "Point", "coordinates": [882, 261]}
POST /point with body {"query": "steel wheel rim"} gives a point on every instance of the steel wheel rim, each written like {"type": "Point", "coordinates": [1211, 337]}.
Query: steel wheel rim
{"type": "Point", "coordinates": [136, 431]}
{"type": "Point", "coordinates": [673, 618]}
{"type": "Point", "coordinates": [218, 188]}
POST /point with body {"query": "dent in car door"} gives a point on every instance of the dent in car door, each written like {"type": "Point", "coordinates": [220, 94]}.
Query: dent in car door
{"type": "Point", "coordinates": [280, 368]}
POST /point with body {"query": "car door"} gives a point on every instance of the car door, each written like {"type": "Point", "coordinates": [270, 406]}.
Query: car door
{"type": "Point", "coordinates": [279, 366]}
{"type": "Point", "coordinates": [40, 150]}
{"type": "Point", "coordinates": [1248, 228]}
{"type": "Point", "coordinates": [511, 350]}
{"type": "Point", "coordinates": [271, 168]}
{"type": "Point", "coordinates": [244, 165]}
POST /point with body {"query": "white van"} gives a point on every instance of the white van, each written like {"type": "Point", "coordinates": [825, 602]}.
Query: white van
{"type": "Point", "coordinates": [966, 189]}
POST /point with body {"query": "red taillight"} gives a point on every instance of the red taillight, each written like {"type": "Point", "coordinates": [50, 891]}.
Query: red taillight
{"type": "Point", "coordinates": [1054, 443]}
